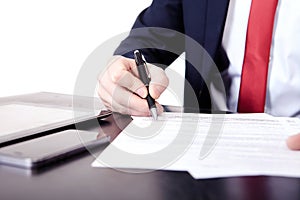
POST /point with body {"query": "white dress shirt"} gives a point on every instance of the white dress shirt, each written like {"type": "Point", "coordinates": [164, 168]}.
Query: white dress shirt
{"type": "Point", "coordinates": [283, 88]}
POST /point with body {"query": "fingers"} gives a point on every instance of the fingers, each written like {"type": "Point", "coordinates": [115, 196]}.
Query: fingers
{"type": "Point", "coordinates": [123, 72]}
{"type": "Point", "coordinates": [123, 101]}
{"type": "Point", "coordinates": [126, 102]}
{"type": "Point", "coordinates": [119, 98]}
{"type": "Point", "coordinates": [122, 91]}
{"type": "Point", "coordinates": [293, 142]}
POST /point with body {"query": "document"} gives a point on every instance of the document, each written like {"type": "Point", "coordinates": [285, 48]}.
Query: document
{"type": "Point", "coordinates": [206, 145]}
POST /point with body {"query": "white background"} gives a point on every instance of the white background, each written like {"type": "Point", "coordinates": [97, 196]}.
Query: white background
{"type": "Point", "coordinates": [44, 43]}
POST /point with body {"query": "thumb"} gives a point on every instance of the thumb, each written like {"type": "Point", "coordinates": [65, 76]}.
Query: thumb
{"type": "Point", "coordinates": [159, 81]}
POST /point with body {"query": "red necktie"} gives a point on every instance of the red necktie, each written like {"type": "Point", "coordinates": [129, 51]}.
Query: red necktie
{"type": "Point", "coordinates": [257, 52]}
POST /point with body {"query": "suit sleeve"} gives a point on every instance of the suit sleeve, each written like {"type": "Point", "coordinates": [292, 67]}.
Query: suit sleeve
{"type": "Point", "coordinates": [156, 32]}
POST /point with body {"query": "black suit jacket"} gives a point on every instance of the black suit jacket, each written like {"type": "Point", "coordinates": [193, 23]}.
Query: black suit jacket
{"type": "Point", "coordinates": [202, 20]}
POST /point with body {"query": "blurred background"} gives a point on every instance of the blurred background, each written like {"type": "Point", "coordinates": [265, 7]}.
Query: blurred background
{"type": "Point", "coordinates": [43, 44]}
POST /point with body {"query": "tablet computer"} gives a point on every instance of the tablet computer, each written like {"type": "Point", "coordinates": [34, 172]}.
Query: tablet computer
{"type": "Point", "coordinates": [48, 149]}
{"type": "Point", "coordinates": [19, 119]}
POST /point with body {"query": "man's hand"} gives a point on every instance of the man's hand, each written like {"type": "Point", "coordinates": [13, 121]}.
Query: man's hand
{"type": "Point", "coordinates": [122, 91]}
{"type": "Point", "coordinates": [293, 142]}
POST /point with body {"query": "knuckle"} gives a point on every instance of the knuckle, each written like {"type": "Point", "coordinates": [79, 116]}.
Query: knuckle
{"type": "Point", "coordinates": [116, 76]}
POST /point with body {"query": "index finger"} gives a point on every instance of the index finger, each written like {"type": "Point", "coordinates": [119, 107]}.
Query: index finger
{"type": "Point", "coordinates": [123, 72]}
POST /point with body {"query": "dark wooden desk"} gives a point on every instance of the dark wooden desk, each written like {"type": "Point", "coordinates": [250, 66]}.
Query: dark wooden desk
{"type": "Point", "coordinates": [76, 179]}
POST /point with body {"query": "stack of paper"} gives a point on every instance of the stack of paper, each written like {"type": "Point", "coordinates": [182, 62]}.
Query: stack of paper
{"type": "Point", "coordinates": [206, 145]}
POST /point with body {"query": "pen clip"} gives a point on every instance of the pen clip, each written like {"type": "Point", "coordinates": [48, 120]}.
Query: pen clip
{"type": "Point", "coordinates": [146, 66]}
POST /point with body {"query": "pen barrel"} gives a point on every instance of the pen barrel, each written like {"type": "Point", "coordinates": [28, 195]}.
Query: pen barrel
{"type": "Point", "coordinates": [150, 100]}
{"type": "Point", "coordinates": [144, 76]}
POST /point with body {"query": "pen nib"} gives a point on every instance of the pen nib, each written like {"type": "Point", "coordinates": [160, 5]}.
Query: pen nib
{"type": "Point", "coordinates": [153, 113]}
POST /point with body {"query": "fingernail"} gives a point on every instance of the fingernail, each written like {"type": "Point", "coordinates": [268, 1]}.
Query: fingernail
{"type": "Point", "coordinates": [160, 109]}
{"type": "Point", "coordinates": [154, 92]}
{"type": "Point", "coordinates": [141, 92]}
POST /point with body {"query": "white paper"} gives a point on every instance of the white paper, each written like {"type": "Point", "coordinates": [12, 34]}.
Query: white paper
{"type": "Point", "coordinates": [206, 145]}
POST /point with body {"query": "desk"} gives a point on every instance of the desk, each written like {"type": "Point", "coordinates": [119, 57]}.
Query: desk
{"type": "Point", "coordinates": [76, 179]}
